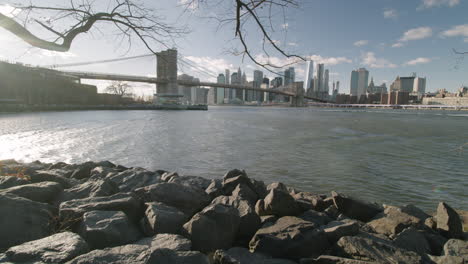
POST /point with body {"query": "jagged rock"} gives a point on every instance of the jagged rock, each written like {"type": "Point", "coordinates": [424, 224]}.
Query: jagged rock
{"type": "Point", "coordinates": [54, 176]}
{"type": "Point", "coordinates": [436, 242]}
{"type": "Point", "coordinates": [167, 176]}
{"type": "Point", "coordinates": [215, 188]}
{"type": "Point", "coordinates": [22, 220]}
{"type": "Point", "coordinates": [309, 201]}
{"type": "Point", "coordinates": [431, 223]}
{"type": "Point", "coordinates": [229, 184]}
{"type": "Point", "coordinates": [354, 208]}
{"type": "Point", "coordinates": [91, 188]}
{"type": "Point", "coordinates": [278, 203]}
{"type": "Point", "coordinates": [456, 247]}
{"type": "Point", "coordinates": [188, 200]}
{"type": "Point", "coordinates": [259, 188]}
{"type": "Point", "coordinates": [249, 220]}
{"type": "Point", "coordinates": [370, 250]}
{"type": "Point", "coordinates": [11, 181]}
{"type": "Point", "coordinates": [234, 173]}
{"type": "Point", "coordinates": [213, 228]}
{"type": "Point", "coordinates": [168, 256]}
{"type": "Point", "coordinates": [170, 241]}
{"type": "Point", "coordinates": [393, 220]}
{"type": "Point", "coordinates": [124, 202]}
{"type": "Point", "coordinates": [332, 212]}
{"type": "Point", "coordinates": [324, 259]}
{"type": "Point", "coordinates": [135, 254]}
{"type": "Point", "coordinates": [43, 192]}
{"type": "Point", "coordinates": [268, 219]}
{"type": "Point", "coordinates": [290, 237]}
{"type": "Point", "coordinates": [315, 217]}
{"type": "Point", "coordinates": [413, 240]}
{"type": "Point", "coordinates": [132, 179]}
{"type": "Point", "coordinates": [84, 170]}
{"type": "Point", "coordinates": [277, 186]}
{"type": "Point", "coordinates": [244, 192]}
{"type": "Point", "coordinates": [160, 218]}
{"type": "Point", "coordinates": [336, 229]}
{"type": "Point", "coordinates": [56, 248]}
{"type": "Point", "coordinates": [413, 211]}
{"type": "Point", "coordinates": [449, 222]}
{"type": "Point", "coordinates": [103, 172]}
{"type": "Point", "coordinates": [192, 181]}
{"type": "Point", "coordinates": [107, 229]}
{"type": "Point", "coordinates": [239, 255]}
{"type": "Point", "coordinates": [447, 260]}
{"type": "Point", "coordinates": [58, 165]}
{"type": "Point", "coordinates": [105, 164]}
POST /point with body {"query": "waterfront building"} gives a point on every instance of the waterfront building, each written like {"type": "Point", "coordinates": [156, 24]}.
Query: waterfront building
{"type": "Point", "coordinates": [359, 82]}
{"type": "Point", "coordinates": [234, 80]}
{"type": "Point", "coordinates": [289, 76]}
{"type": "Point", "coordinates": [277, 82]}
{"type": "Point", "coordinates": [419, 85]}
{"type": "Point", "coordinates": [326, 88]}
{"type": "Point", "coordinates": [309, 76]}
{"type": "Point", "coordinates": [219, 92]}
{"type": "Point", "coordinates": [354, 83]}
{"type": "Point", "coordinates": [320, 78]}
{"type": "Point", "coordinates": [257, 82]}
{"type": "Point", "coordinates": [227, 91]}
{"type": "Point", "coordinates": [376, 89]}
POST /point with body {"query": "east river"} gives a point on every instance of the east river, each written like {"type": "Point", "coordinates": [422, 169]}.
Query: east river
{"type": "Point", "coordinates": [388, 156]}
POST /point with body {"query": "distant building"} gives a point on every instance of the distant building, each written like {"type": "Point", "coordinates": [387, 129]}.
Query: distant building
{"type": "Point", "coordinates": [359, 82]}
{"type": "Point", "coordinates": [289, 76]}
{"type": "Point", "coordinates": [373, 89]}
{"type": "Point", "coordinates": [404, 84]}
{"type": "Point", "coordinates": [219, 92]}
{"type": "Point", "coordinates": [309, 78]}
{"type": "Point", "coordinates": [326, 88]}
{"type": "Point", "coordinates": [419, 85]}
{"type": "Point", "coordinates": [257, 82]}
{"type": "Point", "coordinates": [277, 82]}
{"type": "Point", "coordinates": [266, 81]}
{"type": "Point", "coordinates": [319, 88]}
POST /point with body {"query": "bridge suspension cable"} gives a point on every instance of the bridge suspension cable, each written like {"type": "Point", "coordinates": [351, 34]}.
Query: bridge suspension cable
{"type": "Point", "coordinates": [97, 62]}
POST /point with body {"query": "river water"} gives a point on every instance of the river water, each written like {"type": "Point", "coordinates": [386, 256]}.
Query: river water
{"type": "Point", "coordinates": [388, 156]}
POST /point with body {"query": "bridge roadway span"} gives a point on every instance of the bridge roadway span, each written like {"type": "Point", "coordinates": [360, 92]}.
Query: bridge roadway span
{"type": "Point", "coordinates": [144, 79]}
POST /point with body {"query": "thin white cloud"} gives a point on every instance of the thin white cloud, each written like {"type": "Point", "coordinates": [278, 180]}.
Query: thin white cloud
{"type": "Point", "coordinates": [329, 60]}
{"type": "Point", "coordinates": [294, 44]}
{"type": "Point", "coordinates": [361, 43]}
{"type": "Point", "coordinates": [369, 59]}
{"type": "Point", "coordinates": [413, 34]}
{"type": "Point", "coordinates": [209, 65]}
{"type": "Point", "coordinates": [390, 13]}
{"type": "Point", "coordinates": [290, 61]}
{"type": "Point", "coordinates": [437, 3]}
{"type": "Point", "coordinates": [416, 61]}
{"type": "Point", "coordinates": [9, 10]}
{"type": "Point", "coordinates": [285, 25]}
{"type": "Point", "coordinates": [455, 31]}
{"type": "Point", "coordinates": [398, 45]}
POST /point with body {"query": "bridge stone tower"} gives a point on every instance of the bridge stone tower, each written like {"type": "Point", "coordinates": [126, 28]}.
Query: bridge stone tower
{"type": "Point", "coordinates": [166, 69]}
{"type": "Point", "coordinates": [298, 100]}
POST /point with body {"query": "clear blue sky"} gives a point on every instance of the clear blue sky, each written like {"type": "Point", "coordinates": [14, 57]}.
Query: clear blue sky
{"type": "Point", "coordinates": [388, 37]}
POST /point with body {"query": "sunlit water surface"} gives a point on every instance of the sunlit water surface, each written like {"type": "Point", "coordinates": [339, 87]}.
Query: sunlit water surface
{"type": "Point", "coordinates": [388, 156]}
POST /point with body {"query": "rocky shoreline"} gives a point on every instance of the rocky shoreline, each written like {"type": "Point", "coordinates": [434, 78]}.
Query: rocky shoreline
{"type": "Point", "coordinates": [99, 212]}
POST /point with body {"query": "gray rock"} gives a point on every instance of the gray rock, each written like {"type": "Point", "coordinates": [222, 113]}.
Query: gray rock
{"type": "Point", "coordinates": [135, 254]}
{"type": "Point", "coordinates": [336, 229]}
{"type": "Point", "coordinates": [324, 259]}
{"type": "Point", "coordinates": [278, 203]}
{"type": "Point", "coordinates": [167, 176]}
{"type": "Point", "coordinates": [447, 260]}
{"type": "Point", "coordinates": [54, 176]}
{"type": "Point", "coordinates": [354, 208]}
{"type": "Point", "coordinates": [11, 181]}
{"type": "Point", "coordinates": [103, 172]}
{"type": "Point", "coordinates": [188, 200]}
{"type": "Point", "coordinates": [234, 173]}
{"type": "Point", "coordinates": [315, 217]}
{"type": "Point", "coordinates": [22, 220]}
{"type": "Point", "coordinates": [277, 186]}
{"type": "Point", "coordinates": [393, 220]}
{"type": "Point", "coordinates": [449, 222]}
{"type": "Point", "coordinates": [244, 192]}
{"type": "Point", "coordinates": [192, 181]}
{"type": "Point", "coordinates": [160, 218]}
{"type": "Point", "coordinates": [84, 170]}
{"type": "Point", "coordinates": [90, 188]}
{"type": "Point", "coordinates": [309, 201]}
{"type": "Point", "coordinates": [132, 179]}
{"type": "Point", "coordinates": [170, 241]}
{"type": "Point", "coordinates": [290, 237]}
{"type": "Point", "coordinates": [56, 248]}
{"type": "Point", "coordinates": [370, 250]}
{"type": "Point", "coordinates": [215, 188]}
{"type": "Point", "coordinates": [268, 219]}
{"type": "Point", "coordinates": [168, 256]}
{"type": "Point", "coordinates": [107, 229]}
{"type": "Point", "coordinates": [43, 192]}
{"type": "Point", "coordinates": [213, 228]}
{"type": "Point", "coordinates": [229, 184]}
{"type": "Point", "coordinates": [436, 242]}
{"type": "Point", "coordinates": [259, 188]}
{"type": "Point", "coordinates": [413, 240]}
{"type": "Point", "coordinates": [242, 255]}
{"type": "Point", "coordinates": [332, 212]}
{"type": "Point", "coordinates": [431, 222]}
{"type": "Point", "coordinates": [125, 202]}
{"type": "Point", "coordinates": [456, 247]}
{"type": "Point", "coordinates": [249, 220]}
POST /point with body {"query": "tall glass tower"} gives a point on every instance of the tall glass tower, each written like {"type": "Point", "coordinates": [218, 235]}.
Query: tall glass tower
{"type": "Point", "coordinates": [309, 78]}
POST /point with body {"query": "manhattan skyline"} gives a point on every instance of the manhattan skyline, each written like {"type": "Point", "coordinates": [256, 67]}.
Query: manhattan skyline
{"type": "Point", "coordinates": [389, 38]}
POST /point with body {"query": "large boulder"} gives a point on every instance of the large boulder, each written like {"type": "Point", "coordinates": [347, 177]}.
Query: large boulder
{"type": "Point", "coordinates": [372, 250]}
{"type": "Point", "coordinates": [22, 220]}
{"type": "Point", "coordinates": [325, 259]}
{"type": "Point", "coordinates": [11, 181]}
{"type": "Point", "coordinates": [125, 202]}
{"type": "Point", "coordinates": [107, 229]}
{"type": "Point", "coordinates": [213, 228]}
{"type": "Point", "coordinates": [241, 255]}
{"type": "Point", "coordinates": [134, 178]}
{"type": "Point", "coordinates": [354, 208]}
{"type": "Point", "coordinates": [54, 176]}
{"type": "Point", "coordinates": [135, 254]}
{"type": "Point", "coordinates": [337, 229]}
{"type": "Point", "coordinates": [413, 240]}
{"type": "Point", "coordinates": [318, 218]}
{"type": "Point", "coordinates": [170, 241]}
{"type": "Point", "coordinates": [168, 256]}
{"type": "Point", "coordinates": [244, 192]}
{"type": "Point", "coordinates": [215, 188]}
{"type": "Point", "coordinates": [279, 203]}
{"type": "Point", "coordinates": [310, 201]}
{"type": "Point", "coordinates": [393, 220]}
{"type": "Point", "coordinates": [249, 220]}
{"type": "Point", "coordinates": [56, 248]}
{"type": "Point", "coordinates": [187, 199]}
{"type": "Point", "coordinates": [84, 170]}
{"type": "Point", "coordinates": [43, 192]}
{"type": "Point", "coordinates": [160, 218]}
{"type": "Point", "coordinates": [192, 181]}
{"type": "Point", "coordinates": [448, 222]}
{"type": "Point", "coordinates": [290, 237]}
{"type": "Point", "coordinates": [456, 247]}
{"type": "Point", "coordinates": [91, 188]}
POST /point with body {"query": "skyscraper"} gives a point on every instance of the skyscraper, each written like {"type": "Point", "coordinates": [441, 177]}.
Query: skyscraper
{"type": "Point", "coordinates": [326, 87]}
{"type": "Point", "coordinates": [228, 74]}
{"type": "Point", "coordinates": [219, 92]}
{"type": "Point", "coordinates": [359, 82]}
{"type": "Point", "coordinates": [257, 81]}
{"type": "Point", "coordinates": [309, 75]}
{"type": "Point", "coordinates": [277, 82]}
{"type": "Point", "coordinates": [289, 76]}
{"type": "Point", "coordinates": [227, 91]}
{"type": "Point", "coordinates": [354, 83]}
